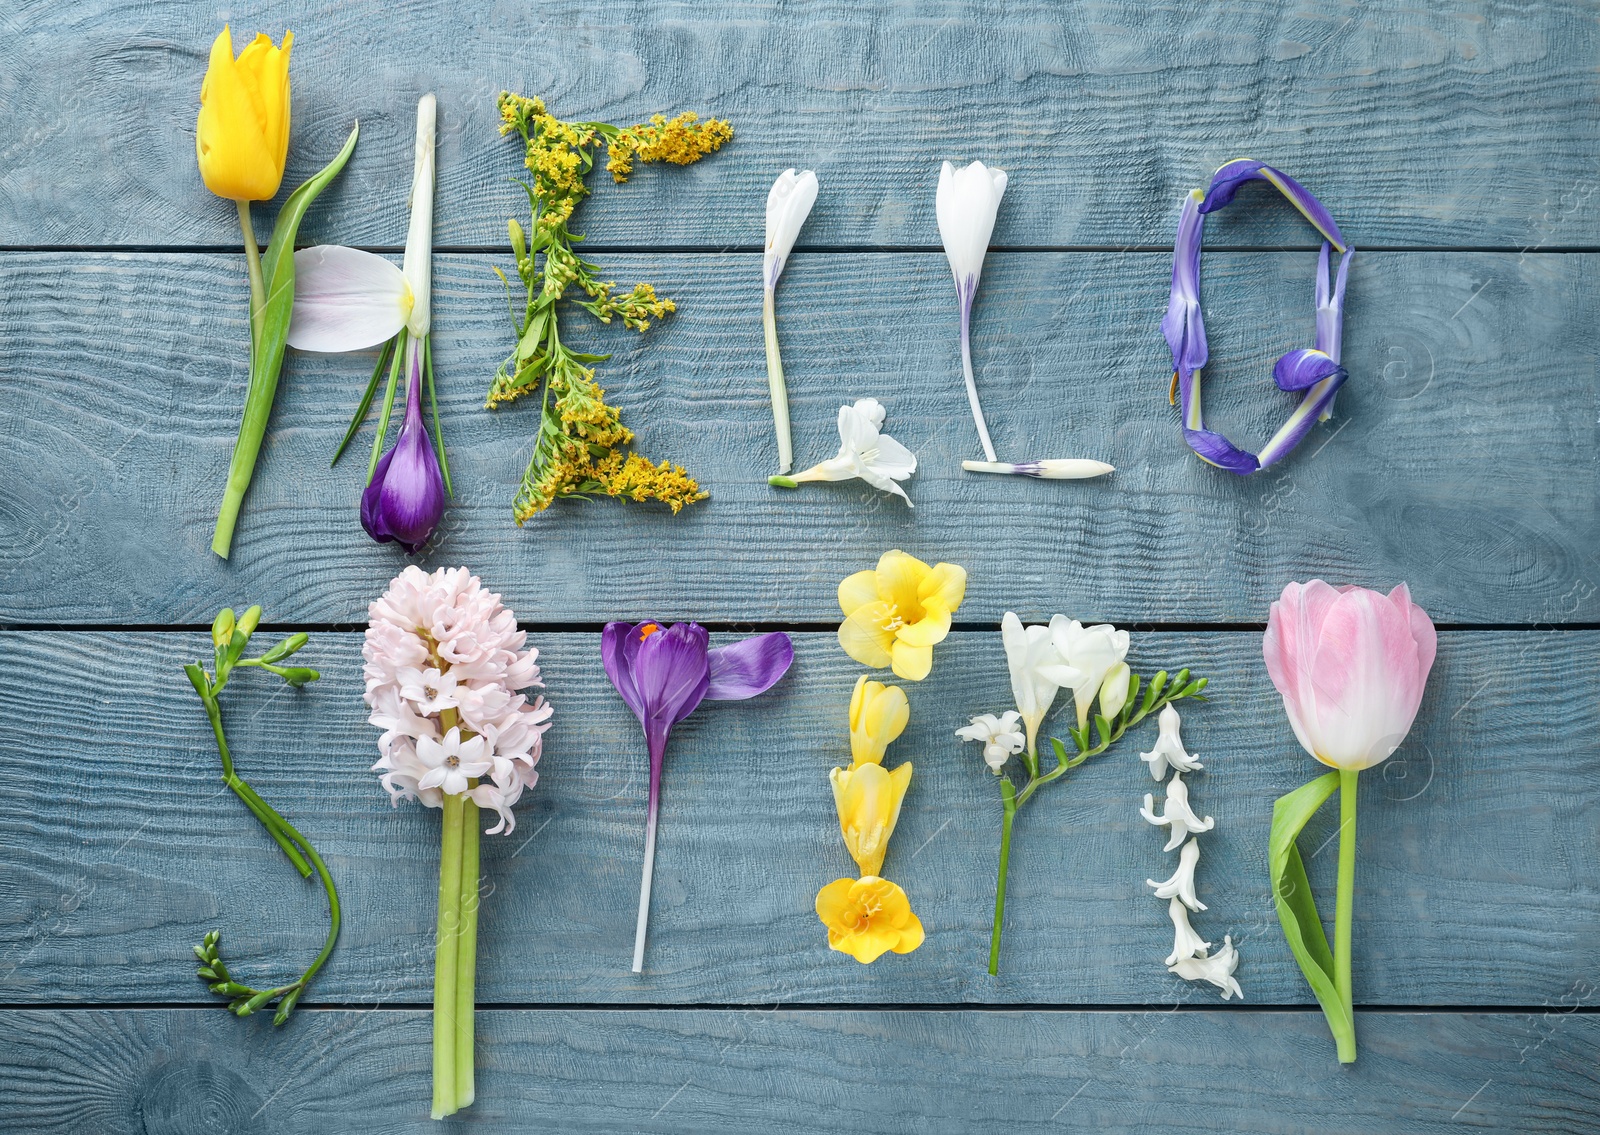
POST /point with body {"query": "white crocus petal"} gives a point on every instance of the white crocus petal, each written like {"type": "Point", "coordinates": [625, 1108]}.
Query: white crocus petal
{"type": "Point", "coordinates": [418, 264]}
{"type": "Point", "coordinates": [1169, 748]}
{"type": "Point", "coordinates": [1036, 671]}
{"type": "Point", "coordinates": [1217, 969]}
{"type": "Point", "coordinates": [1176, 813]}
{"type": "Point", "coordinates": [1181, 885]}
{"type": "Point", "coordinates": [788, 205]}
{"type": "Point", "coordinates": [1092, 652]}
{"type": "Point", "coordinates": [998, 735]}
{"type": "Point", "coordinates": [346, 300]}
{"type": "Point", "coordinates": [1114, 690]}
{"type": "Point", "coordinates": [967, 203]}
{"type": "Point", "coordinates": [1185, 942]}
{"type": "Point", "coordinates": [864, 452]}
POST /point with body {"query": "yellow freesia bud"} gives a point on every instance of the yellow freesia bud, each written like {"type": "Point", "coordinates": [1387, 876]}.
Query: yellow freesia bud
{"type": "Point", "coordinates": [868, 800]}
{"type": "Point", "coordinates": [878, 714]}
{"type": "Point", "coordinates": [895, 615]}
{"type": "Point", "coordinates": [866, 917]}
{"type": "Point", "coordinates": [242, 137]}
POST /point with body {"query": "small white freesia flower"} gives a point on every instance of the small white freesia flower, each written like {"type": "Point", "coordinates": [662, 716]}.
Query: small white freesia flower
{"type": "Point", "coordinates": [1169, 748]}
{"type": "Point", "coordinates": [1030, 654]}
{"type": "Point", "coordinates": [1217, 969]}
{"type": "Point", "coordinates": [1114, 690]}
{"type": "Point", "coordinates": [1087, 654]}
{"type": "Point", "coordinates": [998, 735]}
{"type": "Point", "coordinates": [1181, 885]}
{"type": "Point", "coordinates": [452, 762]}
{"type": "Point", "coordinates": [1185, 942]}
{"type": "Point", "coordinates": [864, 453]}
{"type": "Point", "coordinates": [1176, 813]}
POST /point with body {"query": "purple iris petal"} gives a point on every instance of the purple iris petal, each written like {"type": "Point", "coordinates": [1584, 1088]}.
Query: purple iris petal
{"type": "Point", "coordinates": [406, 497]}
{"type": "Point", "coordinates": [1312, 407]}
{"type": "Point", "coordinates": [1303, 369]}
{"type": "Point", "coordinates": [749, 667]}
{"type": "Point", "coordinates": [1221, 452]}
{"type": "Point", "coordinates": [1184, 326]}
{"type": "Point", "coordinates": [1226, 181]}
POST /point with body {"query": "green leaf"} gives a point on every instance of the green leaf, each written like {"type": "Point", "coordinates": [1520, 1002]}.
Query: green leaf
{"type": "Point", "coordinates": [388, 404]}
{"type": "Point", "coordinates": [1102, 728]}
{"type": "Point", "coordinates": [1297, 907]}
{"type": "Point", "coordinates": [366, 401]}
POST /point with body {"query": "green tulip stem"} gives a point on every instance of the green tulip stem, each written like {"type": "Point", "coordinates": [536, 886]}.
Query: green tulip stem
{"type": "Point", "coordinates": [1344, 910]}
{"type": "Point", "coordinates": [252, 259]}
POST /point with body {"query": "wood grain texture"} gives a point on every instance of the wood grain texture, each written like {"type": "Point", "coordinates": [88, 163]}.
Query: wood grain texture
{"type": "Point", "coordinates": [1440, 125]}
{"type": "Point", "coordinates": [188, 1072]}
{"type": "Point", "coordinates": [1441, 466]}
{"type": "Point", "coordinates": [1475, 879]}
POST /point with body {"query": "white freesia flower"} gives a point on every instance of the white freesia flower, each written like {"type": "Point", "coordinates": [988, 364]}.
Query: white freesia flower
{"type": "Point", "coordinates": [1217, 969]}
{"type": "Point", "coordinates": [998, 735]}
{"type": "Point", "coordinates": [864, 453]}
{"type": "Point", "coordinates": [1185, 942]}
{"type": "Point", "coordinates": [1087, 656]}
{"type": "Point", "coordinates": [967, 204]}
{"type": "Point", "coordinates": [789, 203]}
{"type": "Point", "coordinates": [1181, 885]}
{"type": "Point", "coordinates": [1176, 813]}
{"type": "Point", "coordinates": [452, 762]}
{"type": "Point", "coordinates": [1030, 654]}
{"type": "Point", "coordinates": [1169, 748]}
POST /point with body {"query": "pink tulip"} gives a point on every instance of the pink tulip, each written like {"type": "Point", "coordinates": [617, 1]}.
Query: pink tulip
{"type": "Point", "coordinates": [1350, 664]}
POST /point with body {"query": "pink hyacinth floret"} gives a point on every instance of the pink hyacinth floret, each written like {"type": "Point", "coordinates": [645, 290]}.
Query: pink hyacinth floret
{"type": "Point", "coordinates": [439, 644]}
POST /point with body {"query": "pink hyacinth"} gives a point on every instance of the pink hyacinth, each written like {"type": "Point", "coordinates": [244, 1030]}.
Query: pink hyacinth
{"type": "Point", "coordinates": [442, 654]}
{"type": "Point", "coordinates": [1350, 664]}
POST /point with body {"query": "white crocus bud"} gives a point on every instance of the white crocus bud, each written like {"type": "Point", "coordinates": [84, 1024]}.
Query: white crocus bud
{"type": "Point", "coordinates": [1217, 969]}
{"type": "Point", "coordinates": [418, 264]}
{"type": "Point", "coordinates": [967, 204]}
{"type": "Point", "coordinates": [1181, 885]}
{"type": "Point", "coordinates": [788, 205]}
{"type": "Point", "coordinates": [1114, 690]}
{"type": "Point", "coordinates": [1185, 942]}
{"type": "Point", "coordinates": [1169, 748]}
{"type": "Point", "coordinates": [1176, 813]}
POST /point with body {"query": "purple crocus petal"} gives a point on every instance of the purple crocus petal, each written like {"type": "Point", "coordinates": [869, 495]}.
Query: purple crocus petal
{"type": "Point", "coordinates": [671, 672]}
{"type": "Point", "coordinates": [1226, 181]}
{"type": "Point", "coordinates": [1214, 449]}
{"type": "Point", "coordinates": [406, 497]}
{"type": "Point", "coordinates": [618, 662]}
{"type": "Point", "coordinates": [1184, 326]}
{"type": "Point", "coordinates": [749, 667]}
{"type": "Point", "coordinates": [1312, 407]}
{"type": "Point", "coordinates": [1303, 369]}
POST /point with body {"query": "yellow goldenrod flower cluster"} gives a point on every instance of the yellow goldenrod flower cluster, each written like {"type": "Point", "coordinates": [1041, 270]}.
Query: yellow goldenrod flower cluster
{"type": "Point", "coordinates": [580, 450]}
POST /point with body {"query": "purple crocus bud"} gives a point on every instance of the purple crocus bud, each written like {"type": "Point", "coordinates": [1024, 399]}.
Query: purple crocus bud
{"type": "Point", "coordinates": [406, 497]}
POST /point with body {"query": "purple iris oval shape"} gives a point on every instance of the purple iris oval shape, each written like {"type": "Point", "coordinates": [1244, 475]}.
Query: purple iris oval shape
{"type": "Point", "coordinates": [406, 497]}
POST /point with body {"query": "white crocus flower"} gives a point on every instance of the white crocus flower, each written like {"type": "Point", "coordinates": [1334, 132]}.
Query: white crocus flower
{"type": "Point", "coordinates": [1181, 885]}
{"type": "Point", "coordinates": [864, 453]}
{"type": "Point", "coordinates": [1037, 671]}
{"type": "Point", "coordinates": [1185, 942]}
{"type": "Point", "coordinates": [788, 205]}
{"type": "Point", "coordinates": [452, 762]}
{"type": "Point", "coordinates": [998, 735]}
{"type": "Point", "coordinates": [1169, 748]}
{"type": "Point", "coordinates": [967, 204]}
{"type": "Point", "coordinates": [1088, 655]}
{"type": "Point", "coordinates": [1217, 969]}
{"type": "Point", "coordinates": [1176, 813]}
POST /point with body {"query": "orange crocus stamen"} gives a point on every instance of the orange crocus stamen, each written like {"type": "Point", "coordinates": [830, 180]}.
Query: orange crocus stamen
{"type": "Point", "coordinates": [647, 630]}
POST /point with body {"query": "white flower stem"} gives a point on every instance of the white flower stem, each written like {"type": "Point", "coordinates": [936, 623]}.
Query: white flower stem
{"type": "Point", "coordinates": [644, 893]}
{"type": "Point", "coordinates": [467, 955]}
{"type": "Point", "coordinates": [967, 292]}
{"type": "Point", "coordinates": [446, 958]}
{"type": "Point", "coordinates": [780, 392]}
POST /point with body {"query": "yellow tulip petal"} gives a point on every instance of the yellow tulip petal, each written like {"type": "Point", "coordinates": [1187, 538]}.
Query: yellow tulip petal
{"type": "Point", "coordinates": [242, 132]}
{"type": "Point", "coordinates": [945, 584]}
{"type": "Point", "coordinates": [911, 935]}
{"type": "Point", "coordinates": [899, 576]}
{"type": "Point", "coordinates": [863, 637]}
{"type": "Point", "coordinates": [910, 662]}
{"type": "Point", "coordinates": [928, 630]}
{"type": "Point", "coordinates": [857, 590]}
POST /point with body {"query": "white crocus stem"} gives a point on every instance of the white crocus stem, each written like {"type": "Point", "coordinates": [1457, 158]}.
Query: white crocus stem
{"type": "Point", "coordinates": [1181, 885]}
{"type": "Point", "coordinates": [1169, 748]}
{"type": "Point", "coordinates": [1176, 813]}
{"type": "Point", "coordinates": [788, 205]}
{"type": "Point", "coordinates": [1049, 469]}
{"type": "Point", "coordinates": [643, 924]}
{"type": "Point", "coordinates": [1185, 942]}
{"type": "Point", "coordinates": [966, 205]}
{"type": "Point", "coordinates": [418, 263]}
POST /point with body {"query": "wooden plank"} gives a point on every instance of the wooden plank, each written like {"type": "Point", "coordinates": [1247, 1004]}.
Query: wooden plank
{"type": "Point", "coordinates": [1475, 883]}
{"type": "Point", "coordinates": [126, 376]}
{"type": "Point", "coordinates": [753, 1072]}
{"type": "Point", "coordinates": [1417, 124]}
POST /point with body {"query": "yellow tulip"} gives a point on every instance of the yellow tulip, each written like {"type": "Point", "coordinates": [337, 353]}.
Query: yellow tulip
{"type": "Point", "coordinates": [866, 917]}
{"type": "Point", "coordinates": [868, 800]}
{"type": "Point", "coordinates": [895, 615]}
{"type": "Point", "coordinates": [878, 714]}
{"type": "Point", "coordinates": [242, 137]}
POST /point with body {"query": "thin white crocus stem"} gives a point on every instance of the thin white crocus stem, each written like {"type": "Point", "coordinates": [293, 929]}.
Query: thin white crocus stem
{"type": "Point", "coordinates": [967, 291]}
{"type": "Point", "coordinates": [644, 893]}
{"type": "Point", "coordinates": [418, 263]}
{"type": "Point", "coordinates": [252, 259]}
{"type": "Point", "coordinates": [780, 392]}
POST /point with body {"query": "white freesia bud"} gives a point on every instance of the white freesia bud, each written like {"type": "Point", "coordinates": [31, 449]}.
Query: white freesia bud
{"type": "Point", "coordinates": [1176, 813]}
{"type": "Point", "coordinates": [1169, 748]}
{"type": "Point", "coordinates": [999, 736]}
{"type": "Point", "coordinates": [967, 204]}
{"type": "Point", "coordinates": [1181, 885]}
{"type": "Point", "coordinates": [1114, 690]}
{"type": "Point", "coordinates": [1217, 969]}
{"type": "Point", "coordinates": [1185, 942]}
{"type": "Point", "coordinates": [788, 205]}
{"type": "Point", "coordinates": [418, 263]}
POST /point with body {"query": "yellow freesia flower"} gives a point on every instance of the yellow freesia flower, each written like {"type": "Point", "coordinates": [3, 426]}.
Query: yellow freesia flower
{"type": "Point", "coordinates": [242, 137]}
{"type": "Point", "coordinates": [868, 799]}
{"type": "Point", "coordinates": [895, 615]}
{"type": "Point", "coordinates": [878, 714]}
{"type": "Point", "coordinates": [866, 917]}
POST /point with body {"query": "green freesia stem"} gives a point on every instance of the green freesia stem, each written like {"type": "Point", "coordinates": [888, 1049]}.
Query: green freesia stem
{"type": "Point", "coordinates": [775, 383]}
{"type": "Point", "coordinates": [446, 959]}
{"type": "Point", "coordinates": [467, 955]}
{"type": "Point", "coordinates": [1344, 909]}
{"type": "Point", "coordinates": [1008, 800]}
{"type": "Point", "coordinates": [252, 259]}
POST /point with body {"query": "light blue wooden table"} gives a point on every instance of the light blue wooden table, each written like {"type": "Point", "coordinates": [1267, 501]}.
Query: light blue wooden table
{"type": "Point", "coordinates": [1459, 147]}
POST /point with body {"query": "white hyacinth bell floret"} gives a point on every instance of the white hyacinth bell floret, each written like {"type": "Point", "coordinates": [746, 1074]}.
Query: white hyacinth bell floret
{"type": "Point", "coordinates": [1217, 969]}
{"type": "Point", "coordinates": [1169, 751]}
{"type": "Point", "coordinates": [1176, 813]}
{"type": "Point", "coordinates": [445, 667]}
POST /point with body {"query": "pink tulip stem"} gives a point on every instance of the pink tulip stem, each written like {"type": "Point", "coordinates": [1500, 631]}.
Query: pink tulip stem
{"type": "Point", "coordinates": [1344, 910]}
{"type": "Point", "coordinates": [252, 259]}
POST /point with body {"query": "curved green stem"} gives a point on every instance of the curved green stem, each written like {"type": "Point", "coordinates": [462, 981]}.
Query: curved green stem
{"type": "Point", "coordinates": [1009, 801]}
{"type": "Point", "coordinates": [1344, 910]}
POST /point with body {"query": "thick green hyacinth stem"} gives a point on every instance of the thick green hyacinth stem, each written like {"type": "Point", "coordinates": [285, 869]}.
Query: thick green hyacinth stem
{"type": "Point", "coordinates": [467, 954]}
{"type": "Point", "coordinates": [1344, 911]}
{"type": "Point", "coordinates": [446, 958]}
{"type": "Point", "coordinates": [1008, 799]}
{"type": "Point", "coordinates": [775, 383]}
{"type": "Point", "coordinates": [257, 400]}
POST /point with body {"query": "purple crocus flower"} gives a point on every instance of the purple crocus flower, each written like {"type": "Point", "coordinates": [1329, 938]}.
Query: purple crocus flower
{"type": "Point", "coordinates": [406, 496]}
{"type": "Point", "coordinates": [663, 674]}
